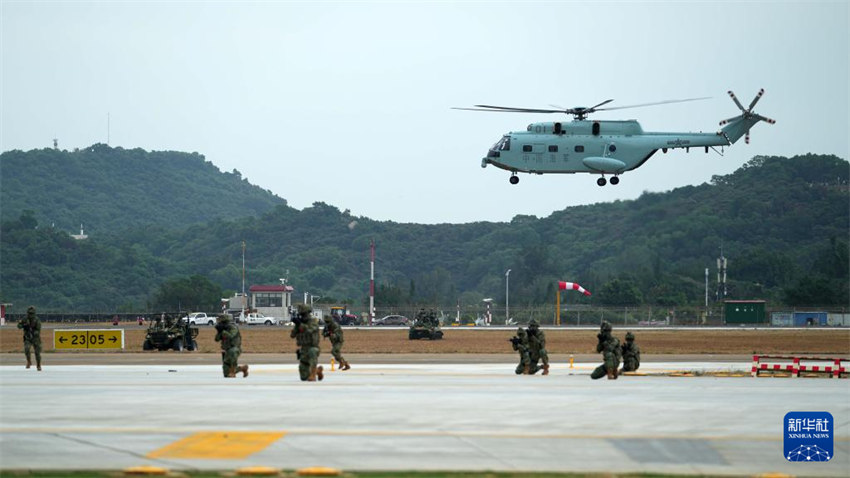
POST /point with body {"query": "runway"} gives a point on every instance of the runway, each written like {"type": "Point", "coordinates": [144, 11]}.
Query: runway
{"type": "Point", "coordinates": [412, 416]}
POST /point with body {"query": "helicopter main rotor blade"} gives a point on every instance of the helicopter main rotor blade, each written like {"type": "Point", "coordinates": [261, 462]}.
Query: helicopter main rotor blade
{"type": "Point", "coordinates": [653, 104]}
{"type": "Point", "coordinates": [509, 109]}
{"type": "Point", "coordinates": [756, 99]}
{"type": "Point", "coordinates": [593, 108]}
{"type": "Point", "coordinates": [766, 119]}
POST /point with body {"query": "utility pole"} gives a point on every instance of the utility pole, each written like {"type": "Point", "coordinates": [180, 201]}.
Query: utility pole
{"type": "Point", "coordinates": [372, 283]}
{"type": "Point", "coordinates": [244, 297]}
{"type": "Point", "coordinates": [507, 292]}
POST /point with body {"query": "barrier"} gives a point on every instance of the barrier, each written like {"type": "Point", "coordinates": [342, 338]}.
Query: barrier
{"type": "Point", "coordinates": [767, 363]}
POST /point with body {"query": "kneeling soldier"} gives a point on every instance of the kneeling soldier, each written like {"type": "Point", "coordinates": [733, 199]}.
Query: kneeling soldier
{"type": "Point", "coordinates": [231, 346]}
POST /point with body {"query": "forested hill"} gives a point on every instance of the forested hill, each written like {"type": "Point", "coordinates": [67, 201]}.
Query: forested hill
{"type": "Point", "coordinates": [782, 223]}
{"type": "Point", "coordinates": [109, 189]}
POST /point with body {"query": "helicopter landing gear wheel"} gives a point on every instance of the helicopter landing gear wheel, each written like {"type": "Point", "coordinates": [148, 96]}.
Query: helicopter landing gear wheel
{"type": "Point", "coordinates": [514, 179]}
{"type": "Point", "coordinates": [601, 181]}
{"type": "Point", "coordinates": [615, 180]}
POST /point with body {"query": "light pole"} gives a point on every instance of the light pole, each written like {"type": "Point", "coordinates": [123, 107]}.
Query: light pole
{"type": "Point", "coordinates": [507, 292]}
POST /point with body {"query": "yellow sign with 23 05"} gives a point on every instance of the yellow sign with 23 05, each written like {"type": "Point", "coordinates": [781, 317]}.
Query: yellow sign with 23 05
{"type": "Point", "coordinates": [66, 339]}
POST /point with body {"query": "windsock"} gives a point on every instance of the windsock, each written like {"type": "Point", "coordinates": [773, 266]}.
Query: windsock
{"type": "Point", "coordinates": [572, 286]}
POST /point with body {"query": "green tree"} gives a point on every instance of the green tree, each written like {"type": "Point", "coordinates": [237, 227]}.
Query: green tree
{"type": "Point", "coordinates": [620, 292]}
{"type": "Point", "coordinates": [188, 293]}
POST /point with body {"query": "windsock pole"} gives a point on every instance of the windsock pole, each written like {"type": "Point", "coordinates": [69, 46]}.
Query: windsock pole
{"type": "Point", "coordinates": [558, 307]}
{"type": "Point", "coordinates": [565, 286]}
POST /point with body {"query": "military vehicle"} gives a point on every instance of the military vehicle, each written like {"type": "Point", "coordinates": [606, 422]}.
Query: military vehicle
{"type": "Point", "coordinates": [178, 337]}
{"type": "Point", "coordinates": [426, 326]}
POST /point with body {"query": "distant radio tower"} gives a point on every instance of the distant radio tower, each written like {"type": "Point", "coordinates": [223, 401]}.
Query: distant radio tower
{"type": "Point", "coordinates": [55, 143]}
{"type": "Point", "coordinates": [721, 276]}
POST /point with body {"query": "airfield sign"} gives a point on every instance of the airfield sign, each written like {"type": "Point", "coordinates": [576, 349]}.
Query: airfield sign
{"type": "Point", "coordinates": [75, 339]}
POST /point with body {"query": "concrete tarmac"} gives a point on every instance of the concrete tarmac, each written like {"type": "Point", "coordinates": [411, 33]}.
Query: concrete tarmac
{"type": "Point", "coordinates": [412, 416]}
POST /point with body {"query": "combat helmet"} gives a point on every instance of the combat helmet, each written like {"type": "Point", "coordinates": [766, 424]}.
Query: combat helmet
{"type": "Point", "coordinates": [304, 310]}
{"type": "Point", "coordinates": [222, 318]}
{"type": "Point", "coordinates": [31, 310]}
{"type": "Point", "coordinates": [630, 337]}
{"type": "Point", "coordinates": [605, 326]}
{"type": "Point", "coordinates": [533, 324]}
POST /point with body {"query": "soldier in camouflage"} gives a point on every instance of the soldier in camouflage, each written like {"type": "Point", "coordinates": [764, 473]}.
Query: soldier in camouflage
{"type": "Point", "coordinates": [433, 321]}
{"type": "Point", "coordinates": [306, 334]}
{"type": "Point", "coordinates": [31, 326]}
{"type": "Point", "coordinates": [631, 354]}
{"type": "Point", "coordinates": [519, 343]}
{"type": "Point", "coordinates": [333, 331]}
{"type": "Point", "coordinates": [421, 318]}
{"type": "Point", "coordinates": [228, 334]}
{"type": "Point", "coordinates": [537, 347]}
{"type": "Point", "coordinates": [609, 346]}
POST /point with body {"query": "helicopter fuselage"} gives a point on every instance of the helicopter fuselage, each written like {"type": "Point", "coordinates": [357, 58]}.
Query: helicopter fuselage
{"type": "Point", "coordinates": [584, 146]}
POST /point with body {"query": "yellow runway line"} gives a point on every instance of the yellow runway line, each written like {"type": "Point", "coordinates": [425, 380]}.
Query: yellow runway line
{"type": "Point", "coordinates": [217, 445]}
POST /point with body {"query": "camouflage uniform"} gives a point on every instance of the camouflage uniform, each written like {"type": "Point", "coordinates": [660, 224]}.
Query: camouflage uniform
{"type": "Point", "coordinates": [231, 346]}
{"type": "Point", "coordinates": [520, 344]}
{"type": "Point", "coordinates": [610, 348]}
{"type": "Point", "coordinates": [432, 320]}
{"type": "Point", "coordinates": [32, 336]}
{"type": "Point", "coordinates": [537, 347]}
{"type": "Point", "coordinates": [306, 335]}
{"type": "Point", "coordinates": [631, 354]}
{"type": "Point", "coordinates": [333, 331]}
{"type": "Point", "coordinates": [421, 318]}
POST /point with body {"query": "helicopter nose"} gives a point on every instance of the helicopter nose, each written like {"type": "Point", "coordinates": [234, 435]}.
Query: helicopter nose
{"type": "Point", "coordinates": [484, 162]}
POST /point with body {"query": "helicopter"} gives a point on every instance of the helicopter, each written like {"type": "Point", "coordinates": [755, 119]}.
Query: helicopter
{"type": "Point", "coordinates": [602, 147]}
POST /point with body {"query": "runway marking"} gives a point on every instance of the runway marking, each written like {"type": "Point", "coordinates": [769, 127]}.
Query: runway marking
{"type": "Point", "coordinates": [394, 433]}
{"type": "Point", "coordinates": [217, 445]}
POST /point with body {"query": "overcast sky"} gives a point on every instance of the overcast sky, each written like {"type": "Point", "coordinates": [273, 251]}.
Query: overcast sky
{"type": "Point", "coordinates": [349, 102]}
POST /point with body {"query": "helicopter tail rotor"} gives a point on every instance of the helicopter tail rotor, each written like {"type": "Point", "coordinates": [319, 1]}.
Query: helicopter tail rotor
{"type": "Point", "coordinates": [738, 126]}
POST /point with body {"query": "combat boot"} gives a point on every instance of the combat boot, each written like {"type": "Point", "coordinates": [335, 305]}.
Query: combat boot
{"type": "Point", "coordinates": [320, 372]}
{"type": "Point", "coordinates": [346, 365]}
{"type": "Point", "coordinates": [38, 365]}
{"type": "Point", "coordinates": [243, 369]}
{"type": "Point", "coordinates": [612, 374]}
{"type": "Point", "coordinates": [29, 362]}
{"type": "Point", "coordinates": [526, 370]}
{"type": "Point", "coordinates": [312, 376]}
{"type": "Point", "coordinates": [231, 372]}
{"type": "Point", "coordinates": [546, 369]}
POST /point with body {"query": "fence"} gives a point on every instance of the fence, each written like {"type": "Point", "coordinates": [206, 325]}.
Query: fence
{"type": "Point", "coordinates": [571, 315]}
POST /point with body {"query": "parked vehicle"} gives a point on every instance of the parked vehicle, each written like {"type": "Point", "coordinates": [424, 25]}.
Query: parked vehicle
{"type": "Point", "coordinates": [392, 320]}
{"type": "Point", "coordinates": [343, 317]}
{"type": "Point", "coordinates": [258, 318]}
{"type": "Point", "coordinates": [199, 318]}
{"type": "Point", "coordinates": [178, 337]}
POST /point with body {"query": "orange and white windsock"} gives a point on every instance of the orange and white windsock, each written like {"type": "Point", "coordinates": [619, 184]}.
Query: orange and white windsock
{"type": "Point", "coordinates": [572, 286]}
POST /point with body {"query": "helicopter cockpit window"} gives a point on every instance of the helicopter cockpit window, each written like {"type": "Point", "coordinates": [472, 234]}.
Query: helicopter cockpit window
{"type": "Point", "coordinates": [503, 144]}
